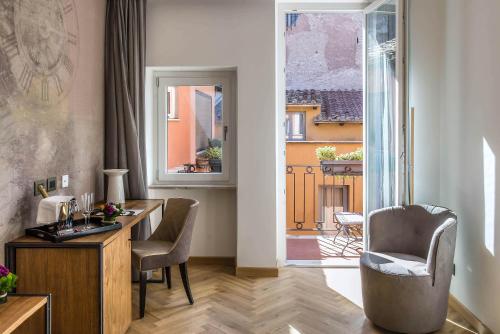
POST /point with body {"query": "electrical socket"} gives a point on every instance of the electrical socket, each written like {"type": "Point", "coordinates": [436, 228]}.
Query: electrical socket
{"type": "Point", "coordinates": [51, 183]}
{"type": "Point", "coordinates": [36, 184]}
{"type": "Point", "coordinates": [65, 181]}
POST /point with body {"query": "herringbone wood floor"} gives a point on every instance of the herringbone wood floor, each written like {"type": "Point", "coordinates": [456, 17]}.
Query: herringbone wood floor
{"type": "Point", "coordinates": [298, 301]}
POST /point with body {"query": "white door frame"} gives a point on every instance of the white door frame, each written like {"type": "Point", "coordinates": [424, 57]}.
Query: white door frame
{"type": "Point", "coordinates": [283, 8]}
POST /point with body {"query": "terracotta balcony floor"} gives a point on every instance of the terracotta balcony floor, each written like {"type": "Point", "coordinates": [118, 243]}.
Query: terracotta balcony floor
{"type": "Point", "coordinates": [322, 247]}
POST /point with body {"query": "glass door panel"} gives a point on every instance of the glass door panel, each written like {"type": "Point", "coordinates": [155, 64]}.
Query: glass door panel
{"type": "Point", "coordinates": [381, 105]}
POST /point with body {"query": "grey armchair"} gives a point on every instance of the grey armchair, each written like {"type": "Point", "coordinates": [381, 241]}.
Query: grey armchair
{"type": "Point", "coordinates": [168, 245]}
{"type": "Point", "coordinates": [406, 272]}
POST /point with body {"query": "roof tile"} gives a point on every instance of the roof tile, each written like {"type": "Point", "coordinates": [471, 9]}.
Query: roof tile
{"type": "Point", "coordinates": [340, 106]}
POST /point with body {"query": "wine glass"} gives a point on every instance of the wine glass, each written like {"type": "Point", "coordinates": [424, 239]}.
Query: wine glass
{"type": "Point", "coordinates": [88, 207]}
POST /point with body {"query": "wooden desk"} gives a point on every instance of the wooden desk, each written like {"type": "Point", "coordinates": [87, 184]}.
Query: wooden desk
{"type": "Point", "coordinates": [89, 277]}
{"type": "Point", "coordinates": [25, 314]}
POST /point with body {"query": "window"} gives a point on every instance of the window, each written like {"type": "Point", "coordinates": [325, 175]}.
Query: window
{"type": "Point", "coordinates": [295, 126]}
{"type": "Point", "coordinates": [194, 113]}
{"type": "Point", "coordinates": [171, 105]}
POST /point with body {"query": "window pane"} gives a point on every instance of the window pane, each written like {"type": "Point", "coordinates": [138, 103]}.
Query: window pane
{"type": "Point", "coordinates": [295, 126]}
{"type": "Point", "coordinates": [381, 85]}
{"type": "Point", "coordinates": [195, 130]}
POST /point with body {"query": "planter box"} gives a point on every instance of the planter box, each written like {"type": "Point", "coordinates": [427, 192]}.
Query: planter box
{"type": "Point", "coordinates": [342, 167]}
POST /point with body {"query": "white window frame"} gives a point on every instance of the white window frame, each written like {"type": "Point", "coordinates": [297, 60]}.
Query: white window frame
{"type": "Point", "coordinates": [172, 104]}
{"type": "Point", "coordinates": [195, 77]}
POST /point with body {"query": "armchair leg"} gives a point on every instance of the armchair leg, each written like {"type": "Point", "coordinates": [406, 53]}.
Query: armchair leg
{"type": "Point", "coordinates": [185, 281]}
{"type": "Point", "coordinates": [142, 292]}
{"type": "Point", "coordinates": [169, 277]}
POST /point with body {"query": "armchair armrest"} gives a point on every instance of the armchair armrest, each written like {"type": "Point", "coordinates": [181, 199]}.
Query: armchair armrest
{"type": "Point", "coordinates": [442, 249]}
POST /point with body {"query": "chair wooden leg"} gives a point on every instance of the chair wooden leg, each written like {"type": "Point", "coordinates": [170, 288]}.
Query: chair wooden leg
{"type": "Point", "coordinates": [185, 281]}
{"type": "Point", "coordinates": [142, 292]}
{"type": "Point", "coordinates": [169, 277]}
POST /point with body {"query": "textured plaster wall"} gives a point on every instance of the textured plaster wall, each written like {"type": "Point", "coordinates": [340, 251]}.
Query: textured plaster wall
{"type": "Point", "coordinates": [38, 141]}
{"type": "Point", "coordinates": [324, 51]}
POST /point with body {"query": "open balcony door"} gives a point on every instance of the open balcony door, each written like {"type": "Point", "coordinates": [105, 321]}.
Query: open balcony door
{"type": "Point", "coordinates": [384, 105]}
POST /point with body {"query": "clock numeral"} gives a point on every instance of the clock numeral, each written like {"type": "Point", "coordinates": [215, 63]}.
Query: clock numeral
{"type": "Point", "coordinates": [68, 65]}
{"type": "Point", "coordinates": [26, 78]}
{"type": "Point", "coordinates": [58, 82]}
{"type": "Point", "coordinates": [68, 7]}
{"type": "Point", "coordinates": [45, 90]}
{"type": "Point", "coordinates": [71, 38]}
{"type": "Point", "coordinates": [10, 45]}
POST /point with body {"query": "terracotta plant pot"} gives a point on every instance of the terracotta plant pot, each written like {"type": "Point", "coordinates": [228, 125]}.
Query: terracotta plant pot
{"type": "Point", "coordinates": [202, 165]}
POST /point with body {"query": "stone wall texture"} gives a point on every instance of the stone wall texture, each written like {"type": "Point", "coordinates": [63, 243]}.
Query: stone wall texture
{"type": "Point", "coordinates": [324, 51]}
{"type": "Point", "coordinates": [40, 139]}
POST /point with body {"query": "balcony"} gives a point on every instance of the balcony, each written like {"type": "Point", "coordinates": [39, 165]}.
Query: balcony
{"type": "Point", "coordinates": [324, 212]}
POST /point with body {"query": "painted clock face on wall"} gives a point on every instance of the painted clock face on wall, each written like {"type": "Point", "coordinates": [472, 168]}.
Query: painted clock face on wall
{"type": "Point", "coordinates": [42, 48]}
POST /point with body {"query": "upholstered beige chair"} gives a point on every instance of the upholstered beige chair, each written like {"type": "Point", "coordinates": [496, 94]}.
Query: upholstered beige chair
{"type": "Point", "coordinates": [168, 245]}
{"type": "Point", "coordinates": [406, 272]}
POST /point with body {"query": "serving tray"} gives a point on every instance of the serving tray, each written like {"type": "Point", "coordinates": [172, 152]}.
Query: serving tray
{"type": "Point", "coordinates": [51, 232]}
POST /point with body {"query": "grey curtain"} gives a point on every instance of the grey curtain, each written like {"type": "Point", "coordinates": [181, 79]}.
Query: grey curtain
{"type": "Point", "coordinates": [125, 53]}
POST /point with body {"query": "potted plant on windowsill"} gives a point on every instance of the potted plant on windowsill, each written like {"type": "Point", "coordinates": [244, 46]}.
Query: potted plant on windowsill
{"type": "Point", "coordinates": [214, 155]}
{"type": "Point", "coordinates": [7, 283]}
{"type": "Point", "coordinates": [342, 164]}
{"type": "Point", "coordinates": [202, 165]}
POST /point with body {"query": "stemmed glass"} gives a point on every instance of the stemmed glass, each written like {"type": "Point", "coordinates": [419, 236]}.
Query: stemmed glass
{"type": "Point", "coordinates": [87, 207]}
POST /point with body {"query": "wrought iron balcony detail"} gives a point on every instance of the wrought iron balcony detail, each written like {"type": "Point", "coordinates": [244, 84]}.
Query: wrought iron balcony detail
{"type": "Point", "coordinates": [316, 192]}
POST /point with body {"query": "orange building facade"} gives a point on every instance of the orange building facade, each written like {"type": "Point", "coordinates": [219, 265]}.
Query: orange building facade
{"type": "Point", "coordinates": [183, 138]}
{"type": "Point", "coordinates": [312, 196]}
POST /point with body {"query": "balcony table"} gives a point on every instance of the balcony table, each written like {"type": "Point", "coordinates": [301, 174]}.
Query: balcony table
{"type": "Point", "coordinates": [348, 221]}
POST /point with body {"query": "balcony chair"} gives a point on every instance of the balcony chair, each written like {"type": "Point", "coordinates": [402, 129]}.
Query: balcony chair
{"type": "Point", "coordinates": [406, 272]}
{"type": "Point", "coordinates": [168, 245]}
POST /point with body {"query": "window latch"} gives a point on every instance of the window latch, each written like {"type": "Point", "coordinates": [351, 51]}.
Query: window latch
{"type": "Point", "coordinates": [225, 132]}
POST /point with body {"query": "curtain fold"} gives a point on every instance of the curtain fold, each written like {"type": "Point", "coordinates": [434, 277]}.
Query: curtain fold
{"type": "Point", "coordinates": [125, 53]}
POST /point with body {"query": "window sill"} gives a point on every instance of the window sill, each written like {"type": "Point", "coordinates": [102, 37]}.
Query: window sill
{"type": "Point", "coordinates": [191, 186]}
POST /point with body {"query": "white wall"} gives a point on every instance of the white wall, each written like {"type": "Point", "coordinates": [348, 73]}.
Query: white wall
{"type": "Point", "coordinates": [426, 47]}
{"type": "Point", "coordinates": [457, 80]}
{"type": "Point", "coordinates": [215, 229]}
{"type": "Point", "coordinates": [472, 96]}
{"type": "Point", "coordinates": [225, 33]}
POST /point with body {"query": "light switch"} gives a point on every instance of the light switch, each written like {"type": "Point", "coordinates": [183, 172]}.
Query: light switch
{"type": "Point", "coordinates": [65, 181]}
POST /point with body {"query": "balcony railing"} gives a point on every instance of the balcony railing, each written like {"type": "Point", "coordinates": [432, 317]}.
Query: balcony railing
{"type": "Point", "coordinates": [313, 196]}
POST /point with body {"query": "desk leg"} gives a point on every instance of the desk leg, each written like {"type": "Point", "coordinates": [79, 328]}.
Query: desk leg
{"type": "Point", "coordinates": [48, 315]}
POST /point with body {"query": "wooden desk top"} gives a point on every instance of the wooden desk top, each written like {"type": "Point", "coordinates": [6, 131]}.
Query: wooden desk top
{"type": "Point", "coordinates": [17, 310]}
{"type": "Point", "coordinates": [148, 205]}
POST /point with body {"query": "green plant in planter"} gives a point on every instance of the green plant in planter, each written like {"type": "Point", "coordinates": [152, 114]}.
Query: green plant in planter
{"type": "Point", "coordinates": [7, 282]}
{"type": "Point", "coordinates": [355, 155]}
{"type": "Point", "coordinates": [326, 153]}
{"type": "Point", "coordinates": [214, 155]}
